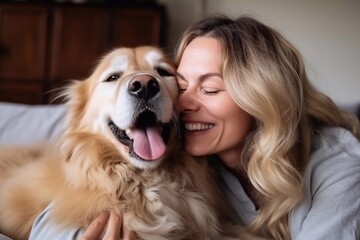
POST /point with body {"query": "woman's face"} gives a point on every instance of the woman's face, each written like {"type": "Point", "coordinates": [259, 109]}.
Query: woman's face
{"type": "Point", "coordinates": [214, 124]}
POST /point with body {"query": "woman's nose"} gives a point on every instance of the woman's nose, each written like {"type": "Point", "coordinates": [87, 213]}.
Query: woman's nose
{"type": "Point", "coordinates": [187, 102]}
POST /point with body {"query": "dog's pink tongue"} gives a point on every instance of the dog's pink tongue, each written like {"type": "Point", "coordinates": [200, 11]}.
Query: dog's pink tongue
{"type": "Point", "coordinates": [148, 143]}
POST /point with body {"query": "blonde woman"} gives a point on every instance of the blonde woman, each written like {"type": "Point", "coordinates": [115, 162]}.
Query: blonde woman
{"type": "Point", "coordinates": [288, 159]}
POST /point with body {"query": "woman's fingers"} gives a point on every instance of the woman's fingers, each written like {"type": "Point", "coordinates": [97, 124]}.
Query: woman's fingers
{"type": "Point", "coordinates": [114, 226]}
{"type": "Point", "coordinates": [128, 234]}
{"type": "Point", "coordinates": [97, 226]}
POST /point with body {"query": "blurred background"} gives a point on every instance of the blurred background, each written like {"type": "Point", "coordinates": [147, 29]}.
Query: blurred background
{"type": "Point", "coordinates": [45, 43]}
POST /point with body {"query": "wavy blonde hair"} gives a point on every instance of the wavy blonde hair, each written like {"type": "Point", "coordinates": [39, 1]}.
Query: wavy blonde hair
{"type": "Point", "coordinates": [265, 75]}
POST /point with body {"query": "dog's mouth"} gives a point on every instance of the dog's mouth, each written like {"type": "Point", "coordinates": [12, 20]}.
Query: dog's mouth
{"type": "Point", "coordinates": [147, 138]}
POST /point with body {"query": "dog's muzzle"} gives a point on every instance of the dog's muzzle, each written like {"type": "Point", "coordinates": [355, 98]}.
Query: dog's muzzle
{"type": "Point", "coordinates": [147, 137]}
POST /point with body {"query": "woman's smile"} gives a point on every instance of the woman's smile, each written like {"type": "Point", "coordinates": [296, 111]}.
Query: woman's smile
{"type": "Point", "coordinates": [198, 126]}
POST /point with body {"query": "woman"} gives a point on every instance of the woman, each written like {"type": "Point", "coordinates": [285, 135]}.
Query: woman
{"type": "Point", "coordinates": [291, 158]}
{"type": "Point", "coordinates": [288, 158]}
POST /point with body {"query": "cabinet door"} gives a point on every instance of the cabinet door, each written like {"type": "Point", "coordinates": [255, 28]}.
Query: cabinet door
{"type": "Point", "coordinates": [23, 34]}
{"type": "Point", "coordinates": [134, 27]}
{"type": "Point", "coordinates": [80, 36]}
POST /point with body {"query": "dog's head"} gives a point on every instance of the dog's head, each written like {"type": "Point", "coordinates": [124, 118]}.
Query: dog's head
{"type": "Point", "coordinates": [128, 100]}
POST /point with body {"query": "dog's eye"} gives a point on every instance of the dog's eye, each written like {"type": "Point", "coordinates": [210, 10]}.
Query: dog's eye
{"type": "Point", "coordinates": [164, 73]}
{"type": "Point", "coordinates": [113, 77]}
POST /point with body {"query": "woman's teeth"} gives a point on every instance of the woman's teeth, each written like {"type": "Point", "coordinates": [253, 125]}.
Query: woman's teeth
{"type": "Point", "coordinates": [198, 126]}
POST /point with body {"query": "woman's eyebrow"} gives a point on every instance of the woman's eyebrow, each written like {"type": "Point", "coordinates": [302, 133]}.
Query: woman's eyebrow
{"type": "Point", "coordinates": [208, 75]}
{"type": "Point", "coordinates": [202, 77]}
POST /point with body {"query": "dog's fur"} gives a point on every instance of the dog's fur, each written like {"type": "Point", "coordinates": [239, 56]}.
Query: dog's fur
{"type": "Point", "coordinates": [93, 167]}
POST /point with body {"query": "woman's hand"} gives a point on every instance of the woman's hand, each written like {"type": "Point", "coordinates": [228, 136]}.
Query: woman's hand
{"type": "Point", "coordinates": [113, 230]}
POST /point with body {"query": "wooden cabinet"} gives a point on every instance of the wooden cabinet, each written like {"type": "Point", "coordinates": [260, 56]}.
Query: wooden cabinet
{"type": "Point", "coordinates": [42, 46]}
{"type": "Point", "coordinates": [23, 45]}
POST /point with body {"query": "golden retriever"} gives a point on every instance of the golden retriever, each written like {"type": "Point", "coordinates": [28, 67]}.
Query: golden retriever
{"type": "Point", "coordinates": [120, 151]}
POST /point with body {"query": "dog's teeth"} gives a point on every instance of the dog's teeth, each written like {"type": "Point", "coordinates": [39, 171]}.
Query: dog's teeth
{"type": "Point", "coordinates": [128, 133]}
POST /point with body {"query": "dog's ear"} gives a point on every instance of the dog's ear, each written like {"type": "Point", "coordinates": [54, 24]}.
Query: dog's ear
{"type": "Point", "coordinates": [77, 97]}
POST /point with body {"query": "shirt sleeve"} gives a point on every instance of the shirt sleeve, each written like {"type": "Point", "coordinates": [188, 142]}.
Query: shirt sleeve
{"type": "Point", "coordinates": [44, 228]}
{"type": "Point", "coordinates": [3, 237]}
{"type": "Point", "coordinates": [331, 205]}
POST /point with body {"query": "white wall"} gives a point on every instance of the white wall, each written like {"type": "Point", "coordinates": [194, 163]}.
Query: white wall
{"type": "Point", "coordinates": [327, 32]}
{"type": "Point", "coordinates": [180, 14]}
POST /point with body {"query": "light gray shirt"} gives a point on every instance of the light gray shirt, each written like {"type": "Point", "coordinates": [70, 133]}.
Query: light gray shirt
{"type": "Point", "coordinates": [330, 208]}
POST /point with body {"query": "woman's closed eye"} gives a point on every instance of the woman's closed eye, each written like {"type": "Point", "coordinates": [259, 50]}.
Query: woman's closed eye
{"type": "Point", "coordinates": [211, 91]}
{"type": "Point", "coordinates": [182, 88]}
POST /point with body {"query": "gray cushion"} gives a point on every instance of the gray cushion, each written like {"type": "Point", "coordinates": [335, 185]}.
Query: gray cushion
{"type": "Point", "coordinates": [27, 124]}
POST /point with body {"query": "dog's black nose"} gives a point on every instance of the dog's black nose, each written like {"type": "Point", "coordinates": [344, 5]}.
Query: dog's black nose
{"type": "Point", "coordinates": [144, 87]}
